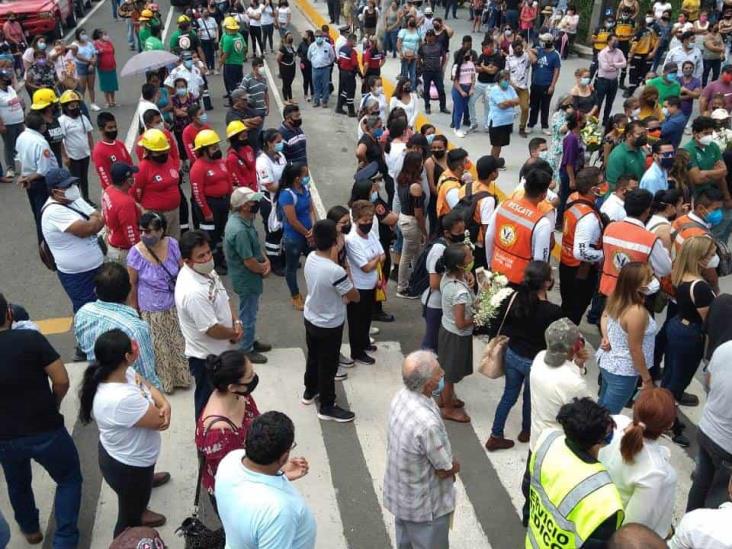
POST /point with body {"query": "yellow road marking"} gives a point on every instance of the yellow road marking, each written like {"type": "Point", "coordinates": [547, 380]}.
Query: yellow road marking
{"type": "Point", "coordinates": [52, 326]}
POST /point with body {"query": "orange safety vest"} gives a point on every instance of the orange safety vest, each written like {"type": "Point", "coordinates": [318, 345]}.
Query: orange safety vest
{"type": "Point", "coordinates": [515, 223]}
{"type": "Point", "coordinates": [622, 243]}
{"type": "Point", "coordinates": [685, 227]}
{"type": "Point", "coordinates": [446, 183]}
{"type": "Point", "coordinates": [577, 208]}
{"type": "Point", "coordinates": [475, 189]}
{"type": "Point", "coordinates": [544, 206]}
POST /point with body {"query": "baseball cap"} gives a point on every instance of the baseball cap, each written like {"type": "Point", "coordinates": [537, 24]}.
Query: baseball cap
{"type": "Point", "coordinates": [238, 93]}
{"type": "Point", "coordinates": [121, 171]}
{"type": "Point", "coordinates": [720, 114]}
{"type": "Point", "coordinates": [60, 178]}
{"type": "Point", "coordinates": [488, 164]}
{"type": "Point", "coordinates": [560, 336]}
{"type": "Point", "coordinates": [546, 37]}
{"type": "Point", "coordinates": [242, 195]}
{"type": "Point", "coordinates": [4, 73]}
{"type": "Point", "coordinates": [427, 10]}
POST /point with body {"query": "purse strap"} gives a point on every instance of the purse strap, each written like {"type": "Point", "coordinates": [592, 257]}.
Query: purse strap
{"type": "Point", "coordinates": [201, 459]}
{"type": "Point", "coordinates": [505, 315]}
{"type": "Point", "coordinates": [170, 275]}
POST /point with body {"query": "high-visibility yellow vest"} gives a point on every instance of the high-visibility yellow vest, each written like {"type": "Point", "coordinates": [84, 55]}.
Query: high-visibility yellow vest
{"type": "Point", "coordinates": [568, 498]}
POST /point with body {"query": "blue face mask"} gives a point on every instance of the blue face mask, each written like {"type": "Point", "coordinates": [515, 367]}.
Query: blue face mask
{"type": "Point", "coordinates": [609, 437]}
{"type": "Point", "coordinates": [378, 132]}
{"type": "Point", "coordinates": [279, 147]}
{"type": "Point", "coordinates": [181, 91]}
{"type": "Point", "coordinates": [672, 77]}
{"type": "Point", "coordinates": [188, 64]}
{"type": "Point", "coordinates": [714, 217]}
{"type": "Point", "coordinates": [305, 181]}
{"type": "Point", "coordinates": [318, 40]}
{"type": "Point", "coordinates": [503, 84]}
{"type": "Point", "coordinates": [374, 196]}
{"type": "Point", "coordinates": [440, 386]}
{"type": "Point", "coordinates": [430, 138]}
{"type": "Point", "coordinates": [203, 117]}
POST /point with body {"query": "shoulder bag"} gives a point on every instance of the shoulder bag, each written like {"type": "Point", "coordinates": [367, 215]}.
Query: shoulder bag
{"type": "Point", "coordinates": [171, 277]}
{"type": "Point", "coordinates": [491, 363]}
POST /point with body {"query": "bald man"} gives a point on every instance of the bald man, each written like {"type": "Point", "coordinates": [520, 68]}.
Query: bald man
{"type": "Point", "coordinates": [636, 536]}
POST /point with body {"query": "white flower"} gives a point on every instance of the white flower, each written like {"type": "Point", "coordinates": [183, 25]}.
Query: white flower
{"type": "Point", "coordinates": [501, 279]}
{"type": "Point", "coordinates": [499, 296]}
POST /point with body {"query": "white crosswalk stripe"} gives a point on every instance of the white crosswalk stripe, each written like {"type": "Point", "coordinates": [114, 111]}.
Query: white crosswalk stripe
{"type": "Point", "coordinates": [369, 390]}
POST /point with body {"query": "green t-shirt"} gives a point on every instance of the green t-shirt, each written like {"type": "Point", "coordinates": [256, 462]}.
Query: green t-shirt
{"type": "Point", "coordinates": [242, 242]}
{"type": "Point", "coordinates": [234, 47]}
{"type": "Point", "coordinates": [623, 161]}
{"type": "Point", "coordinates": [704, 159]}
{"type": "Point", "coordinates": [180, 41]}
{"type": "Point", "coordinates": [144, 33]}
{"type": "Point", "coordinates": [153, 43]}
{"type": "Point", "coordinates": [665, 89]}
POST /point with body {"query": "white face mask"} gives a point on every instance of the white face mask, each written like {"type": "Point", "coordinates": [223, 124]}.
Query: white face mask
{"type": "Point", "coordinates": [635, 113]}
{"type": "Point", "coordinates": [713, 263]}
{"type": "Point", "coordinates": [705, 140]}
{"type": "Point", "coordinates": [378, 91]}
{"type": "Point", "coordinates": [649, 20]}
{"type": "Point", "coordinates": [653, 287]}
{"type": "Point", "coordinates": [72, 193]}
{"type": "Point", "coordinates": [204, 268]}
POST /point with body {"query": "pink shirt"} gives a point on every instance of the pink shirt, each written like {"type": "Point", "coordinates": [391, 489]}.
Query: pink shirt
{"type": "Point", "coordinates": [13, 32]}
{"type": "Point", "coordinates": [467, 73]}
{"type": "Point", "coordinates": [609, 63]}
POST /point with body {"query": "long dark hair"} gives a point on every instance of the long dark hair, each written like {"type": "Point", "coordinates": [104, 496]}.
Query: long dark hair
{"type": "Point", "coordinates": [110, 351]}
{"type": "Point", "coordinates": [226, 369]}
{"type": "Point", "coordinates": [536, 275]}
{"type": "Point", "coordinates": [411, 171]}
{"type": "Point", "coordinates": [292, 171]}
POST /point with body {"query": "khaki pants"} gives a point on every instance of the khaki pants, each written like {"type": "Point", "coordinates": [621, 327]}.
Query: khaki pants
{"type": "Point", "coordinates": [523, 96]}
{"type": "Point", "coordinates": [410, 249]}
{"type": "Point", "coordinates": [173, 219]}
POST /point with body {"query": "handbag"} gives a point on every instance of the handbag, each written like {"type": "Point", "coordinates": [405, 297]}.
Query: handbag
{"type": "Point", "coordinates": [45, 252]}
{"type": "Point", "coordinates": [491, 363]}
{"type": "Point", "coordinates": [381, 281]}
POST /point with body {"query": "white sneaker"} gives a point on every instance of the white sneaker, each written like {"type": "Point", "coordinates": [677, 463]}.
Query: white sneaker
{"type": "Point", "coordinates": [459, 133]}
{"type": "Point", "coordinates": [340, 374]}
{"type": "Point", "coordinates": [374, 331]}
{"type": "Point", "coordinates": [372, 341]}
{"type": "Point", "coordinates": [546, 131]}
{"type": "Point", "coordinates": [95, 107]}
{"type": "Point", "coordinates": [345, 361]}
{"type": "Point", "coordinates": [10, 172]}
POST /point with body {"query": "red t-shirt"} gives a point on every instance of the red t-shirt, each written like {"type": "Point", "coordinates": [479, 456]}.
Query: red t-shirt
{"type": "Point", "coordinates": [121, 216]}
{"type": "Point", "coordinates": [156, 185]}
{"type": "Point", "coordinates": [242, 166]}
{"type": "Point", "coordinates": [209, 178]}
{"type": "Point", "coordinates": [105, 55]}
{"type": "Point", "coordinates": [174, 152]}
{"type": "Point", "coordinates": [189, 136]}
{"type": "Point", "coordinates": [104, 154]}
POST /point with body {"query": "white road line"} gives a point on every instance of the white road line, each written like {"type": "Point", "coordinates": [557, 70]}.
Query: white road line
{"type": "Point", "coordinates": [85, 18]}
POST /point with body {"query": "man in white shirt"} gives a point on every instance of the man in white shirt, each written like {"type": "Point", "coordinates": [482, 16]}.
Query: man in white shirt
{"type": "Point", "coordinates": [687, 51]}
{"type": "Point", "coordinates": [187, 70]}
{"type": "Point", "coordinates": [146, 103]}
{"type": "Point", "coordinates": [487, 170]}
{"type": "Point", "coordinates": [11, 119]}
{"type": "Point", "coordinates": [208, 322]}
{"type": "Point", "coordinates": [614, 205]}
{"type": "Point", "coordinates": [705, 528]}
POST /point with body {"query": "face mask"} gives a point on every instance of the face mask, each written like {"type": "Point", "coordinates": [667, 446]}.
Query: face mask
{"type": "Point", "coordinates": [41, 46]}
{"type": "Point", "coordinates": [667, 162]}
{"type": "Point", "coordinates": [653, 287]}
{"type": "Point", "coordinates": [378, 132]}
{"type": "Point", "coordinates": [469, 267]}
{"type": "Point", "coordinates": [365, 228]}
{"type": "Point", "coordinates": [254, 208]}
{"type": "Point", "coordinates": [345, 229]}
{"type": "Point", "coordinates": [672, 77]}
{"type": "Point", "coordinates": [83, 37]}
{"type": "Point", "coordinates": [503, 84]}
{"type": "Point", "coordinates": [456, 238]}
{"type": "Point", "coordinates": [713, 263]}
{"type": "Point", "coordinates": [548, 45]}
{"type": "Point", "coordinates": [649, 20]}
{"type": "Point", "coordinates": [705, 140]}
{"type": "Point", "coordinates": [408, 87]}
{"type": "Point", "coordinates": [665, 112]}
{"type": "Point", "coordinates": [440, 386]}
{"type": "Point", "coordinates": [378, 91]}
{"type": "Point", "coordinates": [111, 135]}
{"type": "Point", "coordinates": [585, 80]}
{"type": "Point", "coordinates": [635, 113]}
{"type": "Point", "coordinates": [204, 268]}
{"type": "Point", "coordinates": [608, 437]}
{"type": "Point", "coordinates": [150, 240]}
{"type": "Point", "coordinates": [73, 112]}
{"type": "Point", "coordinates": [181, 91]}
{"type": "Point", "coordinates": [319, 40]}
{"type": "Point", "coordinates": [279, 147]}
{"type": "Point", "coordinates": [611, 46]}
{"type": "Point", "coordinates": [714, 217]}
{"type": "Point", "coordinates": [641, 141]}
{"type": "Point", "coordinates": [203, 118]}
{"type": "Point", "coordinates": [160, 158]}
{"type": "Point", "coordinates": [438, 154]}
{"type": "Point", "coordinates": [216, 155]}
{"type": "Point", "coordinates": [249, 386]}
{"type": "Point", "coordinates": [488, 51]}
{"type": "Point", "coordinates": [73, 193]}
{"type": "Point", "coordinates": [374, 196]}
{"type": "Point", "coordinates": [305, 181]}
{"type": "Point", "coordinates": [727, 78]}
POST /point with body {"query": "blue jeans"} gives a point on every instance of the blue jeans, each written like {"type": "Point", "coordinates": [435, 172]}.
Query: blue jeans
{"type": "Point", "coordinates": [409, 70]}
{"type": "Point", "coordinates": [294, 248]}
{"type": "Point", "coordinates": [459, 105]}
{"type": "Point", "coordinates": [390, 41]}
{"type": "Point", "coordinates": [203, 390]}
{"type": "Point", "coordinates": [4, 532]}
{"type": "Point", "coordinates": [115, 5]}
{"type": "Point", "coordinates": [684, 351]}
{"type": "Point", "coordinates": [511, 18]}
{"type": "Point", "coordinates": [616, 390]}
{"type": "Point", "coordinates": [248, 307]}
{"type": "Point", "coordinates": [517, 374]}
{"type": "Point", "coordinates": [56, 453]}
{"type": "Point", "coordinates": [79, 287]}
{"type": "Point", "coordinates": [432, 320]}
{"type": "Point", "coordinates": [321, 81]}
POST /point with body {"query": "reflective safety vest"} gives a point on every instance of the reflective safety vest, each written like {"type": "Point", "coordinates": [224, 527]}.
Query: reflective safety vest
{"type": "Point", "coordinates": [515, 223]}
{"type": "Point", "coordinates": [624, 29]}
{"type": "Point", "coordinates": [685, 227]}
{"type": "Point", "coordinates": [666, 284]}
{"type": "Point", "coordinates": [599, 41]}
{"type": "Point", "coordinates": [544, 206]}
{"type": "Point", "coordinates": [568, 498]}
{"type": "Point", "coordinates": [446, 183]}
{"type": "Point", "coordinates": [622, 243]}
{"type": "Point", "coordinates": [577, 208]}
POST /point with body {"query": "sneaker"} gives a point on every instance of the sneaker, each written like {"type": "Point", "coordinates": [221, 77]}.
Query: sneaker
{"type": "Point", "coordinates": [459, 133]}
{"type": "Point", "coordinates": [10, 172]}
{"type": "Point", "coordinates": [95, 107]}
{"type": "Point", "coordinates": [523, 134]}
{"type": "Point", "coordinates": [473, 128]}
{"type": "Point", "coordinates": [336, 413]}
{"type": "Point", "coordinates": [364, 359]}
{"type": "Point", "coordinates": [546, 131]}
{"type": "Point", "coordinates": [427, 110]}
{"type": "Point", "coordinates": [340, 374]}
{"type": "Point", "coordinates": [498, 443]}
{"type": "Point", "coordinates": [297, 302]}
{"type": "Point", "coordinates": [308, 398]}
{"type": "Point", "coordinates": [256, 358]}
{"type": "Point", "coordinates": [406, 296]}
{"type": "Point", "coordinates": [374, 331]}
{"type": "Point", "coordinates": [345, 361]}
{"type": "Point", "coordinates": [371, 348]}
{"type": "Point", "coordinates": [315, 103]}
{"type": "Point", "coordinates": [529, 129]}
{"type": "Point", "coordinates": [681, 440]}
{"type": "Point", "coordinates": [687, 399]}
{"type": "Point", "coordinates": [262, 347]}
{"type": "Point", "coordinates": [444, 111]}
{"type": "Point", "coordinates": [382, 316]}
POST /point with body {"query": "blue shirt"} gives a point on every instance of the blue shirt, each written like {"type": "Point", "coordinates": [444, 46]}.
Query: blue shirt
{"type": "Point", "coordinates": [295, 143]}
{"type": "Point", "coordinates": [655, 179]}
{"type": "Point", "coordinates": [98, 317]}
{"type": "Point", "coordinates": [498, 116]}
{"type": "Point", "coordinates": [321, 55]}
{"type": "Point", "coordinates": [261, 511]}
{"type": "Point", "coordinates": [301, 201]}
{"type": "Point", "coordinates": [672, 129]}
{"type": "Point", "coordinates": [543, 70]}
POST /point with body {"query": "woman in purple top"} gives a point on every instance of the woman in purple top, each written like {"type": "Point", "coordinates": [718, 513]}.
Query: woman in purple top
{"type": "Point", "coordinates": [153, 264]}
{"type": "Point", "coordinates": [691, 88]}
{"type": "Point", "coordinates": [573, 160]}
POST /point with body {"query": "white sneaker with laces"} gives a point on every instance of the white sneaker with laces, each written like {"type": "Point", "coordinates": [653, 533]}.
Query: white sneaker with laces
{"type": "Point", "coordinates": [95, 107]}
{"type": "Point", "coordinates": [340, 374]}
{"type": "Point", "coordinates": [459, 133]}
{"type": "Point", "coordinates": [345, 361]}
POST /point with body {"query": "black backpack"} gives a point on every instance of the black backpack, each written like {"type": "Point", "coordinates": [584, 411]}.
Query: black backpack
{"type": "Point", "coordinates": [419, 280]}
{"type": "Point", "coordinates": [466, 208]}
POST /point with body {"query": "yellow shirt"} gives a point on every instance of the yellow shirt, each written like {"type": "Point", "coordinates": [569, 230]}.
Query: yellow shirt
{"type": "Point", "coordinates": [692, 8]}
{"type": "Point", "coordinates": [645, 112]}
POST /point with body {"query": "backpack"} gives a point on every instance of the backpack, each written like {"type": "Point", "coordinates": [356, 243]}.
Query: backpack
{"type": "Point", "coordinates": [725, 255]}
{"type": "Point", "coordinates": [277, 215]}
{"type": "Point", "coordinates": [466, 208]}
{"type": "Point", "coordinates": [419, 280]}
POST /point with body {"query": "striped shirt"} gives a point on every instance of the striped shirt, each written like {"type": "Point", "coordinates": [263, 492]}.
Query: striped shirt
{"type": "Point", "coordinates": [98, 317]}
{"type": "Point", "coordinates": [256, 89]}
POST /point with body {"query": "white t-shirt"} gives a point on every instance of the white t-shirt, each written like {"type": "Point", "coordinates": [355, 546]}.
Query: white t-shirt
{"type": "Point", "coordinates": [614, 208]}
{"type": "Point", "coordinates": [435, 296]}
{"type": "Point", "coordinates": [76, 132]}
{"type": "Point", "coordinates": [716, 421]}
{"type": "Point", "coordinates": [704, 529]}
{"type": "Point", "coordinates": [11, 108]}
{"type": "Point", "coordinates": [359, 251]}
{"type": "Point", "coordinates": [327, 283]}
{"type": "Point", "coordinates": [283, 14]}
{"type": "Point", "coordinates": [116, 409]}
{"type": "Point", "coordinates": [73, 254]}
{"type": "Point", "coordinates": [202, 302]}
{"type": "Point", "coordinates": [267, 15]}
{"type": "Point", "coordinates": [658, 9]}
{"type": "Point", "coordinates": [269, 171]}
{"type": "Point", "coordinates": [551, 388]}
{"type": "Point", "coordinates": [252, 13]}
{"type": "Point", "coordinates": [208, 29]}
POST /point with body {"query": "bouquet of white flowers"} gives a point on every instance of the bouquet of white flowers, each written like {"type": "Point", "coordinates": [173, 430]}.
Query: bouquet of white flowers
{"type": "Point", "coordinates": [493, 290]}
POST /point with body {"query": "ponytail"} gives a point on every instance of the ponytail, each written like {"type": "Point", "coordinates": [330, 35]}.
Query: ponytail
{"type": "Point", "coordinates": [632, 441]}
{"type": "Point", "coordinates": [654, 411]}
{"type": "Point", "coordinates": [110, 351]}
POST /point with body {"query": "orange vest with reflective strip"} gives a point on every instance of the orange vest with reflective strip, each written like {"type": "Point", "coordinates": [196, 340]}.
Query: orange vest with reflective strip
{"type": "Point", "coordinates": [576, 210]}
{"type": "Point", "coordinates": [515, 223]}
{"type": "Point", "coordinates": [683, 228]}
{"type": "Point", "coordinates": [446, 183]}
{"type": "Point", "coordinates": [544, 206]}
{"type": "Point", "coordinates": [622, 243]}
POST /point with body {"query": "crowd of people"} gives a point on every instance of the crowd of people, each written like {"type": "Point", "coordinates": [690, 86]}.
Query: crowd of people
{"type": "Point", "coordinates": [637, 203]}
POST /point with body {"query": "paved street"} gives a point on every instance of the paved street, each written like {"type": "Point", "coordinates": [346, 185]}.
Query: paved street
{"type": "Point", "coordinates": [346, 461]}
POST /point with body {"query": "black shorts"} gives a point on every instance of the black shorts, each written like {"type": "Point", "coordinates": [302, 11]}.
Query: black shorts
{"type": "Point", "coordinates": [500, 135]}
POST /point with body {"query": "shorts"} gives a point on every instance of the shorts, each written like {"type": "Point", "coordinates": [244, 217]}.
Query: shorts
{"type": "Point", "coordinates": [500, 136]}
{"type": "Point", "coordinates": [82, 69]}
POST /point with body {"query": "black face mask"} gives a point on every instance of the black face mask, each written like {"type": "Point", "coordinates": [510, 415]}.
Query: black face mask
{"type": "Point", "coordinates": [249, 386]}
{"type": "Point", "coordinates": [254, 208]}
{"type": "Point", "coordinates": [111, 135]}
{"type": "Point", "coordinates": [641, 141]}
{"type": "Point", "coordinates": [455, 238]}
{"type": "Point", "coordinates": [159, 158]}
{"type": "Point", "coordinates": [345, 229]}
{"type": "Point", "coordinates": [216, 155]}
{"type": "Point", "coordinates": [438, 154]}
{"type": "Point", "coordinates": [365, 228]}
{"type": "Point", "coordinates": [73, 113]}
{"type": "Point", "coordinates": [296, 122]}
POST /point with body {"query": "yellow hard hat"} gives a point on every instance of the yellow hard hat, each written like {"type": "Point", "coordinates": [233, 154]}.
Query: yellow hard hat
{"type": "Point", "coordinates": [230, 23]}
{"type": "Point", "coordinates": [43, 98]}
{"type": "Point", "coordinates": [204, 138]}
{"type": "Point", "coordinates": [154, 140]}
{"type": "Point", "coordinates": [146, 15]}
{"type": "Point", "coordinates": [184, 19]}
{"type": "Point", "coordinates": [234, 127]}
{"type": "Point", "coordinates": [68, 96]}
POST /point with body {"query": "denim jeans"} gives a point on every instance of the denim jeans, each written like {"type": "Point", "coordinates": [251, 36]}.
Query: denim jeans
{"type": "Point", "coordinates": [616, 390]}
{"type": "Point", "coordinates": [517, 374]}
{"type": "Point", "coordinates": [684, 351]}
{"type": "Point", "coordinates": [4, 531]}
{"type": "Point", "coordinates": [56, 453]}
{"type": "Point", "coordinates": [248, 307]}
{"type": "Point", "coordinates": [409, 70]}
{"type": "Point", "coordinates": [294, 248]}
{"type": "Point", "coordinates": [115, 6]}
{"type": "Point", "coordinates": [432, 320]}
{"type": "Point", "coordinates": [203, 390]}
{"type": "Point", "coordinates": [390, 41]}
{"type": "Point", "coordinates": [709, 464]}
{"type": "Point", "coordinates": [459, 105]}
{"type": "Point", "coordinates": [321, 81]}
{"type": "Point", "coordinates": [79, 287]}
{"type": "Point", "coordinates": [480, 94]}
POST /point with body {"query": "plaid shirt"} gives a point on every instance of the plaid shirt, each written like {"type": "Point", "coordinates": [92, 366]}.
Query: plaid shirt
{"type": "Point", "coordinates": [417, 447]}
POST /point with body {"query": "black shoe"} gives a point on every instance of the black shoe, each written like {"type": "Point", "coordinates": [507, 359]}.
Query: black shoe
{"type": "Point", "coordinates": [336, 413]}
{"type": "Point", "coordinates": [308, 397]}
{"type": "Point", "coordinates": [427, 110]}
{"type": "Point", "coordinates": [681, 440]}
{"type": "Point", "coordinates": [256, 358]}
{"type": "Point", "coordinates": [371, 348]}
{"type": "Point", "coordinates": [688, 399]}
{"type": "Point", "coordinates": [364, 359]}
{"type": "Point", "coordinates": [382, 316]}
{"type": "Point", "coordinates": [262, 347]}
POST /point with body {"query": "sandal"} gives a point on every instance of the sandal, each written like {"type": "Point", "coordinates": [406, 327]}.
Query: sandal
{"type": "Point", "coordinates": [457, 415]}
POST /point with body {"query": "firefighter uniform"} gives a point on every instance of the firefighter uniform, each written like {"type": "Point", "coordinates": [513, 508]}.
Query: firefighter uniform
{"type": "Point", "coordinates": [643, 45]}
{"type": "Point", "coordinates": [348, 68]}
{"type": "Point", "coordinates": [624, 30]}
{"type": "Point", "coordinates": [624, 241]}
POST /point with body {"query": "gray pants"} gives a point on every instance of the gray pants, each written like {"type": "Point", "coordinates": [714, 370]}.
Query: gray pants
{"type": "Point", "coordinates": [12, 131]}
{"type": "Point", "coordinates": [423, 535]}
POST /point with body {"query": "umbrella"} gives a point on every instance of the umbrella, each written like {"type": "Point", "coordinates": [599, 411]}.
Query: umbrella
{"type": "Point", "coordinates": [148, 61]}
